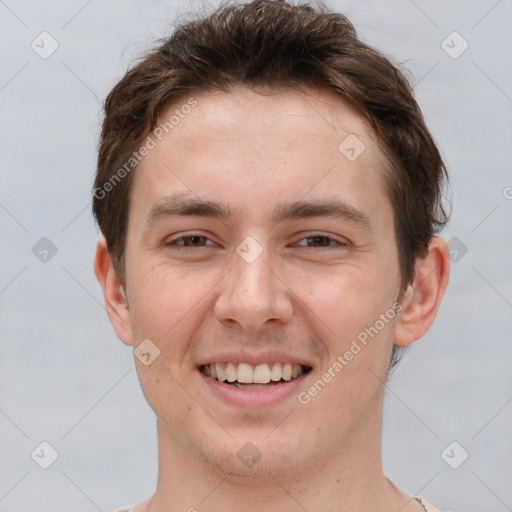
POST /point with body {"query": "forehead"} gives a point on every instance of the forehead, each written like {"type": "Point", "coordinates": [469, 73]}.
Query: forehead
{"type": "Point", "coordinates": [249, 149]}
{"type": "Point", "coordinates": [291, 119]}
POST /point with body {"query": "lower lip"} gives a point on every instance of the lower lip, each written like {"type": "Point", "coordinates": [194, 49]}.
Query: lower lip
{"type": "Point", "coordinates": [254, 397]}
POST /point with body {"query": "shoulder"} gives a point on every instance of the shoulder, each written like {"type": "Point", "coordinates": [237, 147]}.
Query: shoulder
{"type": "Point", "coordinates": [139, 507]}
{"type": "Point", "coordinates": [426, 505]}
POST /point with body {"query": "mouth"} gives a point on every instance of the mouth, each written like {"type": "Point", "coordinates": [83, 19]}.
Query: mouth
{"type": "Point", "coordinates": [248, 376]}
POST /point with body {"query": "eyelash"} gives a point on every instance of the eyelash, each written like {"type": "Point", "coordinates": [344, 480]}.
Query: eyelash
{"type": "Point", "coordinates": [183, 247]}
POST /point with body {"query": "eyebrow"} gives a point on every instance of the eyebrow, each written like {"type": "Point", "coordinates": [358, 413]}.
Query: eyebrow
{"type": "Point", "coordinates": [179, 204]}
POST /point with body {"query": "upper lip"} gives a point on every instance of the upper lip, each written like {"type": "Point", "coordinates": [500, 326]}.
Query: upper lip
{"type": "Point", "coordinates": [264, 357]}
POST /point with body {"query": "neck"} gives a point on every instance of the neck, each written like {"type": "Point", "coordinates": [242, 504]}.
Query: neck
{"type": "Point", "coordinates": [351, 478]}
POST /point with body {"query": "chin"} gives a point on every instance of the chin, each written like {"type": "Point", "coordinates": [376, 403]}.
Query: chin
{"type": "Point", "coordinates": [262, 457]}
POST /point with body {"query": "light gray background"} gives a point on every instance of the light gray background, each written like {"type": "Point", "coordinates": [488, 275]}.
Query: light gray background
{"type": "Point", "coordinates": [67, 380]}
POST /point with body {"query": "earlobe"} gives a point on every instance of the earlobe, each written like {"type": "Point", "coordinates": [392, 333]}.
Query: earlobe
{"type": "Point", "coordinates": [422, 299]}
{"type": "Point", "coordinates": [113, 293]}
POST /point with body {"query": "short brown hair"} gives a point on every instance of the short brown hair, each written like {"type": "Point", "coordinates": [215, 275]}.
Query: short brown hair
{"type": "Point", "coordinates": [270, 44]}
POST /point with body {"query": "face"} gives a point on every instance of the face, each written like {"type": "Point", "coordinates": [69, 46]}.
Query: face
{"type": "Point", "coordinates": [261, 248]}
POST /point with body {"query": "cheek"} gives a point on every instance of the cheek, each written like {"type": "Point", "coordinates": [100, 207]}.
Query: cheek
{"type": "Point", "coordinates": [160, 384]}
{"type": "Point", "coordinates": [166, 297]}
{"type": "Point", "coordinates": [344, 307]}
{"type": "Point", "coordinates": [345, 298]}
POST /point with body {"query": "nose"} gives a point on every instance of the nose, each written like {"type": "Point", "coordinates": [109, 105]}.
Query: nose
{"type": "Point", "coordinates": [253, 295]}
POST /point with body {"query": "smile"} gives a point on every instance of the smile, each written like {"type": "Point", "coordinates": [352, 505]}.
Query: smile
{"type": "Point", "coordinates": [249, 376]}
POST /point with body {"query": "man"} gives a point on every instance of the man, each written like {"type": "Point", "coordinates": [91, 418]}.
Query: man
{"type": "Point", "coordinates": [269, 197]}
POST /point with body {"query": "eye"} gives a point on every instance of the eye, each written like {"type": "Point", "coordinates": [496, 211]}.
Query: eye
{"type": "Point", "coordinates": [197, 240]}
{"type": "Point", "coordinates": [321, 241]}
{"type": "Point", "coordinates": [194, 240]}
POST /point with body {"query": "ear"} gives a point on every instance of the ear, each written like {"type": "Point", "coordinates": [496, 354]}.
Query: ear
{"type": "Point", "coordinates": [113, 294]}
{"type": "Point", "coordinates": [422, 300]}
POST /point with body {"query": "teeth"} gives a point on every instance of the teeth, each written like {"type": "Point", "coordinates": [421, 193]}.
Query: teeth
{"type": "Point", "coordinates": [243, 373]}
{"type": "Point", "coordinates": [262, 374]}
{"type": "Point", "coordinates": [231, 372]}
{"type": "Point", "coordinates": [275, 374]}
{"type": "Point", "coordinates": [287, 372]}
{"type": "Point", "coordinates": [221, 372]}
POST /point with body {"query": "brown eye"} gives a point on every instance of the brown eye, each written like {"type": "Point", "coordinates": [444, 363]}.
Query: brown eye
{"type": "Point", "coordinates": [195, 241]}
{"type": "Point", "coordinates": [320, 241]}
{"type": "Point", "coordinates": [190, 241]}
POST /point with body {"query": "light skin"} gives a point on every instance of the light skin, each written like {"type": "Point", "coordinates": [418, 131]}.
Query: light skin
{"type": "Point", "coordinates": [304, 295]}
